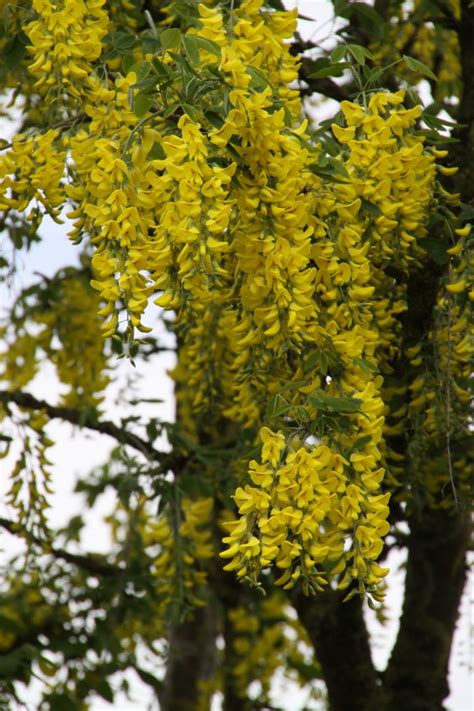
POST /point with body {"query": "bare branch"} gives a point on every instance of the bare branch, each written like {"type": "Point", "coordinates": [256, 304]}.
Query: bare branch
{"type": "Point", "coordinates": [93, 564]}
{"type": "Point", "coordinates": [82, 418]}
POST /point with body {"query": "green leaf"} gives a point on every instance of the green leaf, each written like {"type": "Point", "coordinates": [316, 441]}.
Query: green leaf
{"type": "Point", "coordinates": [128, 60]}
{"type": "Point", "coordinates": [104, 689]}
{"type": "Point", "coordinates": [436, 248]}
{"type": "Point", "coordinates": [146, 84]}
{"type": "Point", "coordinates": [6, 17]}
{"type": "Point", "coordinates": [438, 123]}
{"type": "Point", "coordinates": [337, 166]}
{"type": "Point", "coordinates": [366, 366]}
{"type": "Point", "coordinates": [121, 41]}
{"type": "Point", "coordinates": [435, 137]}
{"type": "Point", "coordinates": [14, 52]}
{"type": "Point", "coordinates": [170, 38]}
{"type": "Point", "coordinates": [325, 174]}
{"type": "Point", "coordinates": [163, 70]}
{"type": "Point", "coordinates": [371, 207]}
{"type": "Point", "coordinates": [341, 7]}
{"type": "Point", "coordinates": [360, 443]}
{"type": "Point", "coordinates": [277, 406]}
{"type": "Point", "coordinates": [171, 109]}
{"type": "Point", "coordinates": [215, 119]}
{"type": "Point", "coordinates": [186, 66]}
{"type": "Point", "coordinates": [373, 75]}
{"type": "Point", "coordinates": [330, 70]}
{"type": "Point", "coordinates": [191, 111]}
{"type": "Point", "coordinates": [330, 403]}
{"type": "Point", "coordinates": [416, 66]}
{"type": "Point", "coordinates": [191, 48]}
{"type": "Point", "coordinates": [338, 53]}
{"type": "Point", "coordinates": [259, 80]}
{"type": "Point", "coordinates": [359, 53]}
{"type": "Point", "coordinates": [157, 153]}
{"type": "Point", "coordinates": [208, 45]}
{"type": "Point", "coordinates": [312, 361]}
{"type": "Point", "coordinates": [369, 19]}
{"type": "Point", "coordinates": [150, 43]}
{"type": "Point", "coordinates": [141, 69]}
{"type": "Point", "coordinates": [142, 103]}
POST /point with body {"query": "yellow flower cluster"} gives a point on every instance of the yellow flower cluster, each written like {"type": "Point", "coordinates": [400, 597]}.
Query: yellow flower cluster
{"type": "Point", "coordinates": [66, 38]}
{"type": "Point", "coordinates": [188, 224]}
{"type": "Point", "coordinates": [32, 170]}
{"type": "Point", "coordinates": [113, 200]}
{"type": "Point", "coordinates": [438, 48]}
{"type": "Point", "coordinates": [261, 287]}
{"type": "Point", "coordinates": [389, 168]}
{"type": "Point", "coordinates": [309, 500]}
{"type": "Point", "coordinates": [68, 309]}
{"type": "Point", "coordinates": [185, 540]}
{"type": "Point", "coordinates": [300, 512]}
{"type": "Point", "coordinates": [192, 224]}
{"type": "Point", "coordinates": [264, 639]}
{"type": "Point", "coordinates": [33, 611]}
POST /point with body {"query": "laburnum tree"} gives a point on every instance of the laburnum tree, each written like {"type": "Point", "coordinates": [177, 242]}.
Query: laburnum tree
{"type": "Point", "coordinates": [316, 275]}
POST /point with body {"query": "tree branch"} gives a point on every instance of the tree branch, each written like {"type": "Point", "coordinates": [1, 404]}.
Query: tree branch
{"type": "Point", "coordinates": [462, 153]}
{"type": "Point", "coordinates": [82, 419]}
{"type": "Point", "coordinates": [341, 641]}
{"type": "Point", "coordinates": [325, 86]}
{"type": "Point", "coordinates": [93, 564]}
{"type": "Point", "coordinates": [192, 660]}
{"type": "Point", "coordinates": [416, 676]}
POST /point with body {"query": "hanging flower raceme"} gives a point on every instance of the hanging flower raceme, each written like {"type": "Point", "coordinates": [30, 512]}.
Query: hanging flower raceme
{"type": "Point", "coordinates": [353, 323]}
{"type": "Point", "coordinates": [31, 174]}
{"type": "Point", "coordinates": [65, 306]}
{"type": "Point", "coordinates": [263, 641]}
{"type": "Point", "coordinates": [305, 502]}
{"type": "Point", "coordinates": [115, 207]}
{"type": "Point", "coordinates": [389, 168]}
{"type": "Point", "coordinates": [66, 38]}
{"type": "Point", "coordinates": [193, 223]}
{"type": "Point", "coordinates": [186, 545]}
{"type": "Point", "coordinates": [438, 397]}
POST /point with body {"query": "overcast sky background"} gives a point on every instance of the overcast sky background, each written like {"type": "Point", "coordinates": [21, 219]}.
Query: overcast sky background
{"type": "Point", "coordinates": [75, 453]}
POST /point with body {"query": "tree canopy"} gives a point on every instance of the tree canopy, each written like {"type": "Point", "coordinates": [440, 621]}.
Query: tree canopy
{"type": "Point", "coordinates": [296, 213]}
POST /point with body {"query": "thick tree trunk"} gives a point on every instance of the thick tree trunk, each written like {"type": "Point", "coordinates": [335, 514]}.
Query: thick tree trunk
{"type": "Point", "coordinates": [232, 700]}
{"type": "Point", "coordinates": [417, 674]}
{"type": "Point", "coordinates": [338, 632]}
{"type": "Point", "coordinates": [192, 661]}
{"type": "Point", "coordinates": [462, 153]}
{"type": "Point", "coordinates": [416, 677]}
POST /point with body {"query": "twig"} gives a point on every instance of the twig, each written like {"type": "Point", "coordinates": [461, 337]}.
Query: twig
{"type": "Point", "coordinates": [65, 123]}
{"type": "Point", "coordinates": [82, 419]}
{"type": "Point", "coordinates": [87, 562]}
{"type": "Point", "coordinates": [448, 408]}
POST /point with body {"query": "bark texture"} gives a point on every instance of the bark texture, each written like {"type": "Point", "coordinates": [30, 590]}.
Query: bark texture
{"type": "Point", "coordinates": [192, 661]}
{"type": "Point", "coordinates": [341, 641]}
{"type": "Point", "coordinates": [417, 675]}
